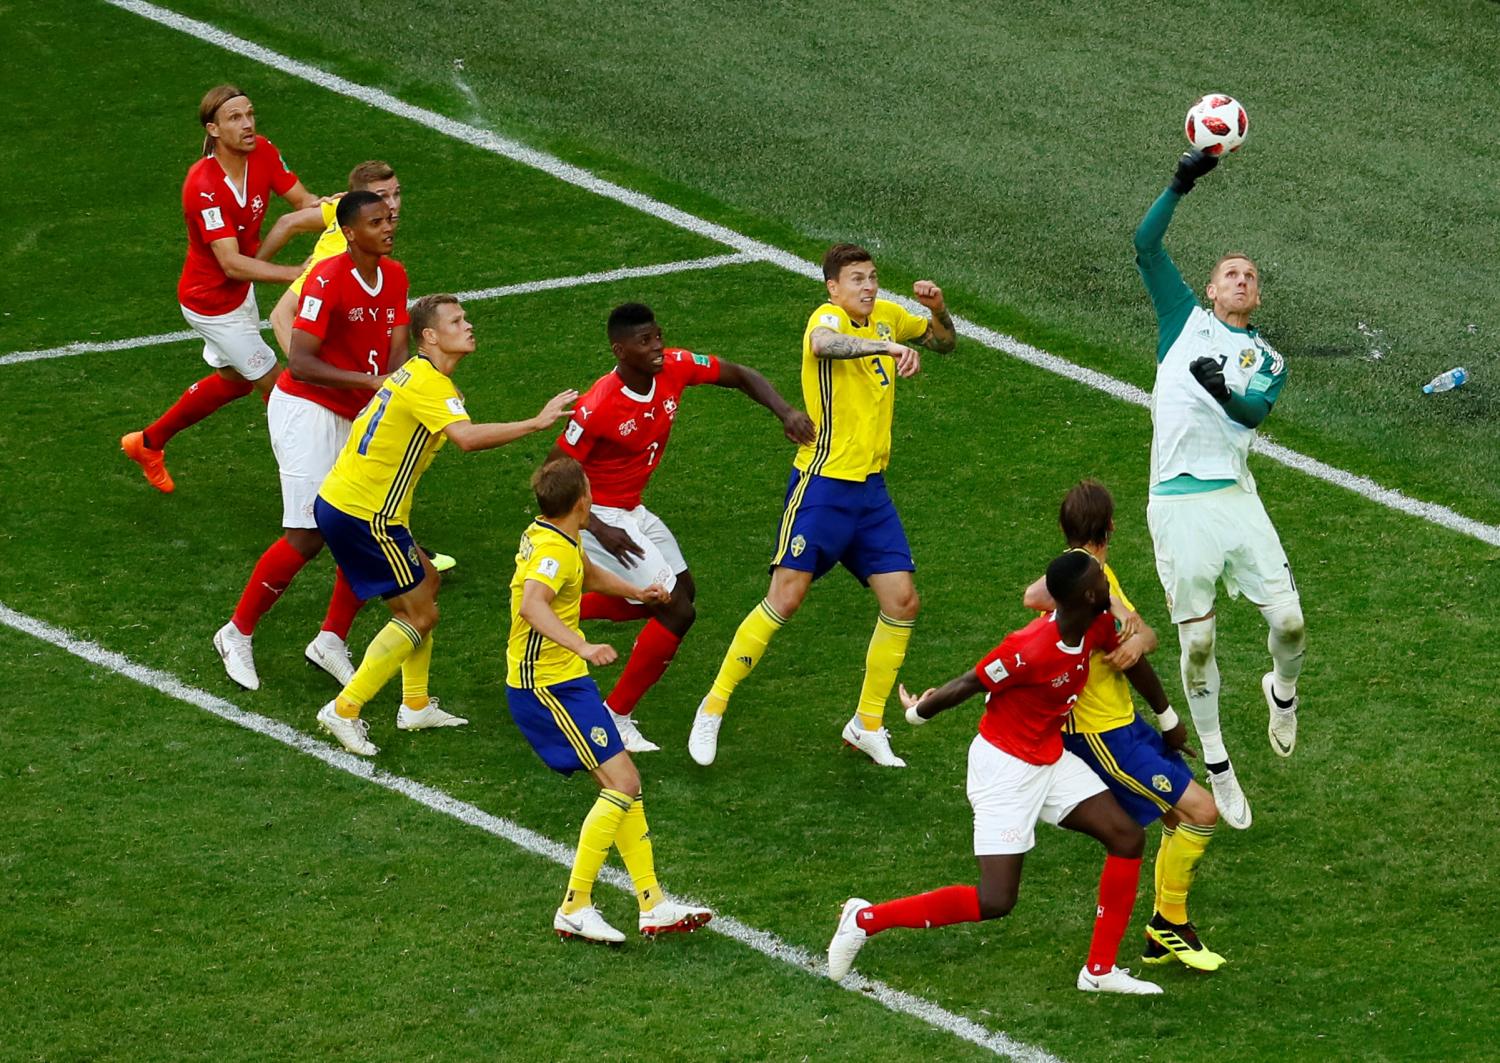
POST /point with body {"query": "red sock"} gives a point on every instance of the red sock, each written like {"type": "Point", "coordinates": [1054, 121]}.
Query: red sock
{"type": "Point", "coordinates": [951, 904]}
{"type": "Point", "coordinates": [197, 402]}
{"type": "Point", "coordinates": [596, 606]}
{"type": "Point", "coordinates": [1117, 885]}
{"type": "Point", "coordinates": [273, 573]}
{"type": "Point", "coordinates": [654, 649]}
{"type": "Point", "coordinates": [342, 605]}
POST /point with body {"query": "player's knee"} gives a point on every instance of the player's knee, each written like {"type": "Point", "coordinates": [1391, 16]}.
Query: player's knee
{"type": "Point", "coordinates": [996, 902]}
{"type": "Point", "coordinates": [423, 616]}
{"type": "Point", "coordinates": [1287, 624]}
{"type": "Point", "coordinates": [679, 614]}
{"type": "Point", "coordinates": [621, 775]}
{"type": "Point", "coordinates": [1197, 645]}
{"type": "Point", "coordinates": [1197, 807]}
{"type": "Point", "coordinates": [906, 605]}
{"type": "Point", "coordinates": [1128, 840]}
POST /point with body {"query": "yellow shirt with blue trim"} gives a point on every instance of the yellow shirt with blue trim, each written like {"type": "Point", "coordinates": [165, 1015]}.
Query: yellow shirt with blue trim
{"type": "Point", "coordinates": [851, 400]}
{"type": "Point", "coordinates": [331, 242]}
{"type": "Point", "coordinates": [554, 560]}
{"type": "Point", "coordinates": [392, 442]}
{"type": "Point", "coordinates": [1105, 702]}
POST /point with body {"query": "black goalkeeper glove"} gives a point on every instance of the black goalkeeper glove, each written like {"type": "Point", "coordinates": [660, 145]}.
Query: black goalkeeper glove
{"type": "Point", "coordinates": [1193, 165]}
{"type": "Point", "coordinates": [1210, 376]}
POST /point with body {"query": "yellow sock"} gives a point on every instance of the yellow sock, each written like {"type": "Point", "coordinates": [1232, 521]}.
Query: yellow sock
{"type": "Point", "coordinates": [414, 671]}
{"type": "Point", "coordinates": [1167, 834]}
{"type": "Point", "coordinates": [634, 842]}
{"type": "Point", "coordinates": [598, 833]}
{"type": "Point", "coordinates": [1178, 869]}
{"type": "Point", "coordinates": [391, 646]}
{"type": "Point", "coordinates": [882, 662]}
{"type": "Point", "coordinates": [744, 653]}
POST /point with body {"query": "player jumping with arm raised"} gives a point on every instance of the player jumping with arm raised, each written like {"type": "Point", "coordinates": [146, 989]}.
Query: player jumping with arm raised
{"type": "Point", "coordinates": [1216, 381]}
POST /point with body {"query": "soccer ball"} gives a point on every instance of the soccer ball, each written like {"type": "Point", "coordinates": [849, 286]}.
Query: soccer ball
{"type": "Point", "coordinates": [1216, 124]}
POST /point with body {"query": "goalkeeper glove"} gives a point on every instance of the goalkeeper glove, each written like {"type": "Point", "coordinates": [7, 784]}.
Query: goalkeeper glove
{"type": "Point", "coordinates": [1193, 165]}
{"type": "Point", "coordinates": [1210, 376]}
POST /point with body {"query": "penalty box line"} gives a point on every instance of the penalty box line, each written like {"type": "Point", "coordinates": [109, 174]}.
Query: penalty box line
{"type": "Point", "coordinates": [659, 269]}
{"type": "Point", "coordinates": [516, 151]}
{"type": "Point", "coordinates": [762, 941]}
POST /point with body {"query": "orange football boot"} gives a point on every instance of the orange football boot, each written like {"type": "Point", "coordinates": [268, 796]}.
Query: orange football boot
{"type": "Point", "coordinates": [152, 462]}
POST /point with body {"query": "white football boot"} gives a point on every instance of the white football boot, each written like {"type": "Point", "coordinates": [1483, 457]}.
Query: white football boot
{"type": "Point", "coordinates": [353, 735]}
{"type": "Point", "coordinates": [673, 917]}
{"type": "Point", "coordinates": [427, 716]}
{"type": "Point", "coordinates": [1231, 801]}
{"type": "Point", "coordinates": [848, 939]}
{"type": "Point", "coordinates": [874, 744]}
{"type": "Point", "coordinates": [331, 653]}
{"type": "Point", "coordinates": [1118, 980]}
{"type": "Point", "coordinates": [630, 734]}
{"type": "Point", "coordinates": [703, 741]}
{"type": "Point", "coordinates": [586, 923]}
{"type": "Point", "coordinates": [234, 651]}
{"type": "Point", "coordinates": [1283, 726]}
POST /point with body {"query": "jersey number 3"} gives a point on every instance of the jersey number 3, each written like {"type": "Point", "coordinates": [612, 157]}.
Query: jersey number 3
{"type": "Point", "coordinates": [885, 381]}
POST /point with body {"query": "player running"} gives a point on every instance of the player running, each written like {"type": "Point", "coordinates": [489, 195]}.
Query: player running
{"type": "Point", "coordinates": [1019, 773]}
{"type": "Point", "coordinates": [351, 330]}
{"type": "Point", "coordinates": [1216, 380]}
{"type": "Point", "coordinates": [224, 201]}
{"type": "Point", "coordinates": [557, 706]}
{"type": "Point", "coordinates": [838, 510]}
{"type": "Point", "coordinates": [619, 434]}
{"type": "Point", "coordinates": [1142, 767]}
{"type": "Point", "coordinates": [364, 512]}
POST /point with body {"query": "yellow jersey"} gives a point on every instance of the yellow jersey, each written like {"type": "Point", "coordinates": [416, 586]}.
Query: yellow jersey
{"type": "Point", "coordinates": [850, 400]}
{"type": "Point", "coordinates": [1105, 702]}
{"type": "Point", "coordinates": [330, 243]}
{"type": "Point", "coordinates": [392, 442]}
{"type": "Point", "coordinates": [556, 561]}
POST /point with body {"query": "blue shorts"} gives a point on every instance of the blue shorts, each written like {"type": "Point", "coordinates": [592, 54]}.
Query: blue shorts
{"type": "Point", "coordinates": [1145, 776]}
{"type": "Point", "coordinates": [852, 523]}
{"type": "Point", "coordinates": [379, 559]}
{"type": "Point", "coordinates": [566, 723]}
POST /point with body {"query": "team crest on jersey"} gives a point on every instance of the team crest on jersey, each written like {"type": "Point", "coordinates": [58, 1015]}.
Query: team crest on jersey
{"type": "Point", "coordinates": [1060, 680]}
{"type": "Point", "coordinates": [1248, 357]}
{"type": "Point", "coordinates": [411, 555]}
{"type": "Point", "coordinates": [1161, 783]}
{"type": "Point", "coordinates": [626, 427]}
{"type": "Point", "coordinates": [390, 315]}
{"type": "Point", "coordinates": [598, 737]}
{"type": "Point", "coordinates": [356, 313]}
{"type": "Point", "coordinates": [670, 405]}
{"type": "Point", "coordinates": [883, 330]}
{"type": "Point", "coordinates": [257, 204]}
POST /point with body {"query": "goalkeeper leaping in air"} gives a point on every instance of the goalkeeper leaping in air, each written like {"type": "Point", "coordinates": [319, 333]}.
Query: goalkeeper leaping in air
{"type": "Point", "coordinates": [1216, 380]}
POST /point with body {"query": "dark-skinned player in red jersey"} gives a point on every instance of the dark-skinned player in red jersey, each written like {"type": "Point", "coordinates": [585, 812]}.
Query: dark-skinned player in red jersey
{"type": "Point", "coordinates": [1020, 773]}
{"type": "Point", "coordinates": [349, 332]}
{"type": "Point", "coordinates": [619, 432]}
{"type": "Point", "coordinates": [224, 201]}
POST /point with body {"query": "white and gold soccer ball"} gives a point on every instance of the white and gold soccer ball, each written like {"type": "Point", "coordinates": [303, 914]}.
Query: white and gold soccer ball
{"type": "Point", "coordinates": [1216, 124]}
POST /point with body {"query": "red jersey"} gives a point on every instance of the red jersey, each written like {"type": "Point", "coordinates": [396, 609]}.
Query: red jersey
{"type": "Point", "coordinates": [618, 436]}
{"type": "Point", "coordinates": [1033, 680]}
{"type": "Point", "coordinates": [355, 324]}
{"type": "Point", "coordinates": [215, 208]}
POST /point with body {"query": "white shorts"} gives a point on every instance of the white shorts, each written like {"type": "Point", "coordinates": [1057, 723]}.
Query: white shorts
{"type": "Point", "coordinates": [1200, 539]}
{"type": "Point", "coordinates": [1009, 796]}
{"type": "Point", "coordinates": [233, 340]}
{"type": "Point", "coordinates": [663, 558]}
{"type": "Point", "coordinates": [306, 439]}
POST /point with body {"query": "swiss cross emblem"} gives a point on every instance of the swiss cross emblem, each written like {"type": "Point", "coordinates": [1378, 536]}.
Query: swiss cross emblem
{"type": "Point", "coordinates": [257, 204]}
{"type": "Point", "coordinates": [626, 427]}
{"type": "Point", "coordinates": [390, 315]}
{"type": "Point", "coordinates": [670, 406]}
{"type": "Point", "coordinates": [356, 313]}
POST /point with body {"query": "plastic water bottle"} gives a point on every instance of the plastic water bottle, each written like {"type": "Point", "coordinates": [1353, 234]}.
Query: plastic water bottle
{"type": "Point", "coordinates": [1453, 378]}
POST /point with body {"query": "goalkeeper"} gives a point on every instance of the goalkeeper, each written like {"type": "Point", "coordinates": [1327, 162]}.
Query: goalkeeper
{"type": "Point", "coordinates": [1216, 381]}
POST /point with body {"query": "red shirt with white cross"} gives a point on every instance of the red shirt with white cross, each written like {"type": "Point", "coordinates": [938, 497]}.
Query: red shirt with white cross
{"type": "Point", "coordinates": [215, 208]}
{"type": "Point", "coordinates": [618, 435]}
{"type": "Point", "coordinates": [354, 321]}
{"type": "Point", "coordinates": [1033, 679]}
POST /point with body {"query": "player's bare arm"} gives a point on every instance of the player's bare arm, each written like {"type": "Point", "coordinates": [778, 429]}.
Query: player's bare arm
{"type": "Point", "coordinates": [606, 582]}
{"type": "Point", "coordinates": [536, 610]}
{"type": "Point", "coordinates": [241, 267]}
{"type": "Point", "coordinates": [928, 704]}
{"type": "Point", "coordinates": [306, 364]}
{"type": "Point", "coordinates": [290, 224]}
{"type": "Point", "coordinates": [826, 343]}
{"type": "Point", "coordinates": [400, 347]}
{"type": "Point", "coordinates": [467, 436]}
{"type": "Point", "coordinates": [300, 198]}
{"type": "Point", "coordinates": [940, 336]}
{"type": "Point", "coordinates": [1148, 685]}
{"type": "Point", "coordinates": [799, 427]}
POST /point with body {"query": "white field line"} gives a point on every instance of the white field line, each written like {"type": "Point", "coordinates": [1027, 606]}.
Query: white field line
{"type": "Point", "coordinates": [761, 941]}
{"type": "Point", "coordinates": [659, 269]}
{"type": "Point", "coordinates": [563, 171]}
